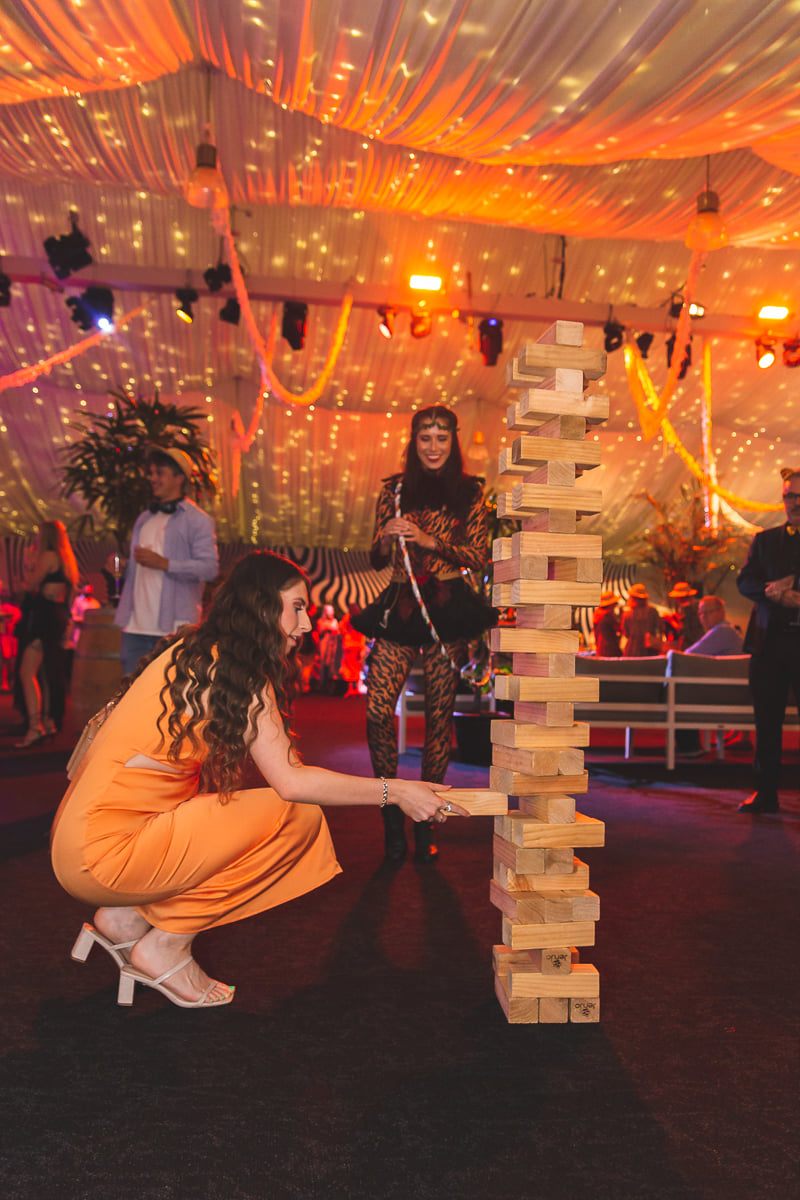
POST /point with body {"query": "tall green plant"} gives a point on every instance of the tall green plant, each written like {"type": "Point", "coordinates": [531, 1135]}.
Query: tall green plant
{"type": "Point", "coordinates": [105, 464]}
{"type": "Point", "coordinates": [685, 548]}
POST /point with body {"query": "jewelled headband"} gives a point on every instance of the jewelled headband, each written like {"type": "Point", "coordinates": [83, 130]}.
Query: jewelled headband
{"type": "Point", "coordinates": [788, 472]}
{"type": "Point", "coordinates": [426, 418]}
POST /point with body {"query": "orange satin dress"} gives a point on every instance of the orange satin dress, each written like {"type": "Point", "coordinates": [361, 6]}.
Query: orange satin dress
{"type": "Point", "coordinates": [147, 838]}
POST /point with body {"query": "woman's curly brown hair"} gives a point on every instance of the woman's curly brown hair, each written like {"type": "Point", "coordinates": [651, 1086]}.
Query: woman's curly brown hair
{"type": "Point", "coordinates": [219, 667]}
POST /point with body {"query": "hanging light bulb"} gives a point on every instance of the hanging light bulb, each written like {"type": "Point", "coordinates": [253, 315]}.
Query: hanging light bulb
{"type": "Point", "coordinates": [707, 231]}
{"type": "Point", "coordinates": [205, 187]}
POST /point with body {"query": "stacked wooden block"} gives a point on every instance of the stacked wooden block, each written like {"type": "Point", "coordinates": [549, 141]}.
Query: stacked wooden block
{"type": "Point", "coordinates": [539, 885]}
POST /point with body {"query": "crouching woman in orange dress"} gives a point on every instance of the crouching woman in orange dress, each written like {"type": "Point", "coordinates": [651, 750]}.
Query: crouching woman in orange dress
{"type": "Point", "coordinates": [155, 830]}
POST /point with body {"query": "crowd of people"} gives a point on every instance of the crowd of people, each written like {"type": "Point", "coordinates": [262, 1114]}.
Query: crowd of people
{"type": "Point", "coordinates": [641, 631]}
{"type": "Point", "coordinates": [158, 829]}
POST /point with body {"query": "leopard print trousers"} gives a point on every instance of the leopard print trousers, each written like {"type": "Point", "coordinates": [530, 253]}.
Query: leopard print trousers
{"type": "Point", "coordinates": [389, 667]}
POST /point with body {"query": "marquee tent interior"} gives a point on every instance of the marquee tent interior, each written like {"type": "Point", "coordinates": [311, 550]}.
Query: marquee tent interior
{"type": "Point", "coordinates": [543, 155]}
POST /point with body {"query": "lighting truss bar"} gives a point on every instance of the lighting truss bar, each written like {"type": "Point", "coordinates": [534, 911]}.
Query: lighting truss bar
{"type": "Point", "coordinates": [534, 310]}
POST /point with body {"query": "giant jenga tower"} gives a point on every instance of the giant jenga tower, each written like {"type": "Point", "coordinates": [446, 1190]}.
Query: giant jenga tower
{"type": "Point", "coordinates": [539, 885]}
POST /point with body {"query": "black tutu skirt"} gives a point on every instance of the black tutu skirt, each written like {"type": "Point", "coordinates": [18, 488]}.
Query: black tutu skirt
{"type": "Point", "coordinates": [457, 612]}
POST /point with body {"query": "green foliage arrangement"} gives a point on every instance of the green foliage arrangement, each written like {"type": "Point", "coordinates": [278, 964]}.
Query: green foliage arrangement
{"type": "Point", "coordinates": [105, 465]}
{"type": "Point", "coordinates": [685, 548]}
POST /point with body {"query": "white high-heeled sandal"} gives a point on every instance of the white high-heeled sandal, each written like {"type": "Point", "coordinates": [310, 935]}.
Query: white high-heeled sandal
{"type": "Point", "coordinates": [87, 938]}
{"type": "Point", "coordinates": [129, 977]}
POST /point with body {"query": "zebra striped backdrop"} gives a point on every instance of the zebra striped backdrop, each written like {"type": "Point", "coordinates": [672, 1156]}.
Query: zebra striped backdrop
{"type": "Point", "coordinates": [338, 577]}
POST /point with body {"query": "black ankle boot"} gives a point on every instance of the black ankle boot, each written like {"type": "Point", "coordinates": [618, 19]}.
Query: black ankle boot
{"type": "Point", "coordinates": [394, 833]}
{"type": "Point", "coordinates": [425, 850]}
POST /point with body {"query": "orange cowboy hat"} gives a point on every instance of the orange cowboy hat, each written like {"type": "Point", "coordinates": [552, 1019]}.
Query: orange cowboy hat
{"type": "Point", "coordinates": [639, 592]}
{"type": "Point", "coordinates": [682, 591]}
{"type": "Point", "coordinates": [607, 599]}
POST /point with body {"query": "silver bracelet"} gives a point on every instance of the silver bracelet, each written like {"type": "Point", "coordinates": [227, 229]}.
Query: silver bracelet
{"type": "Point", "coordinates": [385, 797]}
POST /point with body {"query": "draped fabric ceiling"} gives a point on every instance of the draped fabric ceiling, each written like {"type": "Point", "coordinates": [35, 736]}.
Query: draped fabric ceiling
{"type": "Point", "coordinates": [545, 155]}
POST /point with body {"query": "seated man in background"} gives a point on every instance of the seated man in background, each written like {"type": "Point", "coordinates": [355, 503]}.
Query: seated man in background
{"type": "Point", "coordinates": [720, 637]}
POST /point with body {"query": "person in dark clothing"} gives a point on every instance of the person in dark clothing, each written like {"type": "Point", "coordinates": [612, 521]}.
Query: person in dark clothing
{"type": "Point", "coordinates": [607, 626]}
{"type": "Point", "coordinates": [770, 578]}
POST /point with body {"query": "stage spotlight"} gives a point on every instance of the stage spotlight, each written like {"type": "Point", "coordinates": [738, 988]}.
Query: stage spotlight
{"type": "Point", "coordinates": [421, 324]}
{"type": "Point", "coordinates": [5, 290]}
{"type": "Point", "coordinates": [93, 309]}
{"type": "Point", "coordinates": [216, 277]}
{"type": "Point", "coordinates": [295, 323]}
{"type": "Point", "coordinates": [387, 322]}
{"type": "Point", "coordinates": [613, 336]}
{"type": "Point", "coordinates": [773, 312]}
{"type": "Point", "coordinates": [70, 252]}
{"type": "Point", "coordinates": [186, 297]}
{"type": "Point", "coordinates": [491, 339]}
{"type": "Point", "coordinates": [675, 305]}
{"type": "Point", "coordinates": [644, 341]}
{"type": "Point", "coordinates": [765, 352]}
{"type": "Point", "coordinates": [791, 353]}
{"type": "Point", "coordinates": [687, 357]}
{"type": "Point", "coordinates": [697, 310]}
{"type": "Point", "coordinates": [425, 283]}
{"type": "Point", "coordinates": [230, 311]}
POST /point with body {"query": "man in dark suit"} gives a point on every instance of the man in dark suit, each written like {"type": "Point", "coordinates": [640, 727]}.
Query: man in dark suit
{"type": "Point", "coordinates": [771, 578]}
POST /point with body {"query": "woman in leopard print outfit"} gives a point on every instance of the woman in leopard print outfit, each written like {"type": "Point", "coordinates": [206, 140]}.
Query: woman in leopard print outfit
{"type": "Point", "coordinates": [442, 518]}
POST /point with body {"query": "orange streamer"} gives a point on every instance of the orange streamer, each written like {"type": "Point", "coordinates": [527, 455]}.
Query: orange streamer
{"type": "Point", "coordinates": [45, 366]}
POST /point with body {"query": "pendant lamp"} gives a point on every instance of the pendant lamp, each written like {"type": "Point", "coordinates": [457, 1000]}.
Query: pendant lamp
{"type": "Point", "coordinates": [707, 231]}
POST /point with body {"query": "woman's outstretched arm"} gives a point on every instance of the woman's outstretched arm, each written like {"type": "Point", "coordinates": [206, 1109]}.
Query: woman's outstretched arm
{"type": "Point", "coordinates": [299, 784]}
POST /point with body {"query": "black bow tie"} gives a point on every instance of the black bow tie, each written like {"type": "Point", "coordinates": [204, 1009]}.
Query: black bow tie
{"type": "Point", "coordinates": [165, 506]}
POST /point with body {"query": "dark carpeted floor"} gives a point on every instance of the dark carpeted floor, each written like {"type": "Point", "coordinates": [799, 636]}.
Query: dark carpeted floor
{"type": "Point", "coordinates": [365, 1055]}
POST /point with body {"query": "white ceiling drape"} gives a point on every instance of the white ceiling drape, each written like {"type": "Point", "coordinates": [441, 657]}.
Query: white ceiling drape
{"type": "Point", "coordinates": [356, 140]}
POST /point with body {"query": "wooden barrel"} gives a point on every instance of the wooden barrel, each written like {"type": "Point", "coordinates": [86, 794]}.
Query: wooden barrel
{"type": "Point", "coordinates": [96, 671]}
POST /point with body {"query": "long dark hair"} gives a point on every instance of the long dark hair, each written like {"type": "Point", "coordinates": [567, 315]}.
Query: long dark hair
{"type": "Point", "coordinates": [448, 488]}
{"type": "Point", "coordinates": [220, 667]}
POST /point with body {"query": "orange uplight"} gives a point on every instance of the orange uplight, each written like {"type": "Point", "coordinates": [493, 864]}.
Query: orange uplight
{"type": "Point", "coordinates": [773, 312]}
{"type": "Point", "coordinates": [425, 283]}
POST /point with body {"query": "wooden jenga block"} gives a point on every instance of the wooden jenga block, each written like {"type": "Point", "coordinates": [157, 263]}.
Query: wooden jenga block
{"type": "Point", "coordinates": [527, 832]}
{"type": "Point", "coordinates": [584, 1011]}
{"type": "Point", "coordinates": [527, 498]}
{"type": "Point", "coordinates": [535, 406]}
{"type": "Point", "coordinates": [529, 908]}
{"type": "Point", "coordinates": [539, 761]}
{"type": "Point", "coordinates": [560, 521]}
{"type": "Point", "coordinates": [550, 666]}
{"type": "Point", "coordinates": [546, 616]}
{"type": "Point", "coordinates": [534, 450]}
{"type": "Point", "coordinates": [501, 549]}
{"type": "Point", "coordinates": [554, 715]}
{"type": "Point", "coordinates": [581, 570]}
{"type": "Point", "coordinates": [555, 545]}
{"type": "Point", "coordinates": [559, 859]}
{"type": "Point", "coordinates": [583, 981]}
{"type": "Point", "coordinates": [542, 935]}
{"type": "Point", "coordinates": [534, 641]}
{"type": "Point", "coordinates": [526, 566]}
{"type": "Point", "coordinates": [522, 862]}
{"type": "Point", "coordinates": [555, 1009]}
{"type": "Point", "coordinates": [562, 333]}
{"type": "Point", "coordinates": [558, 960]}
{"type": "Point", "coordinates": [520, 735]}
{"type": "Point", "coordinates": [544, 591]}
{"type": "Point", "coordinates": [532, 762]}
{"type": "Point", "coordinates": [525, 785]}
{"type": "Point", "coordinates": [565, 427]}
{"type": "Point", "coordinates": [538, 360]}
{"type": "Point", "coordinates": [504, 956]}
{"type": "Point", "coordinates": [505, 873]}
{"type": "Point", "coordinates": [518, 1011]}
{"type": "Point", "coordinates": [580, 689]}
{"type": "Point", "coordinates": [556, 810]}
{"type": "Point", "coordinates": [479, 802]}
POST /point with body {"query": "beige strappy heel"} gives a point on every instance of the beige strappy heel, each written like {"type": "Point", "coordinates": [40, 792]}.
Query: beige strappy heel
{"type": "Point", "coordinates": [129, 977]}
{"type": "Point", "coordinates": [87, 938]}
